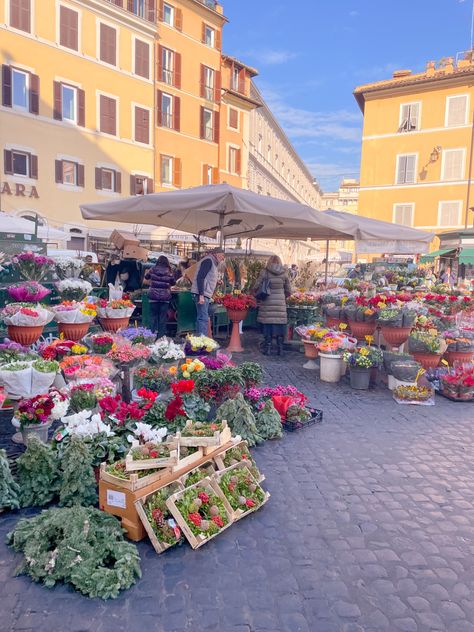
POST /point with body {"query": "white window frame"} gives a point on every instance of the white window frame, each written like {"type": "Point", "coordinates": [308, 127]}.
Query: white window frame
{"type": "Point", "coordinates": [171, 110]}
{"type": "Point", "coordinates": [32, 18]}
{"type": "Point", "coordinates": [233, 129]}
{"type": "Point", "coordinates": [466, 116]}
{"type": "Point", "coordinates": [144, 5]}
{"type": "Point", "coordinates": [113, 172]}
{"type": "Point", "coordinates": [79, 28]}
{"type": "Point", "coordinates": [212, 31]}
{"type": "Point", "coordinates": [206, 129]}
{"type": "Point", "coordinates": [168, 73]}
{"type": "Point", "coordinates": [150, 62]}
{"type": "Point", "coordinates": [117, 43]}
{"type": "Point", "coordinates": [443, 163]}
{"type": "Point", "coordinates": [150, 119]}
{"type": "Point", "coordinates": [229, 165]}
{"type": "Point", "coordinates": [418, 122]}
{"type": "Point", "coordinates": [460, 208]}
{"type": "Point", "coordinates": [411, 204]}
{"type": "Point", "coordinates": [76, 103]}
{"type": "Point", "coordinates": [171, 166]}
{"type": "Point", "coordinates": [75, 164]}
{"type": "Point", "coordinates": [28, 166]}
{"type": "Point", "coordinates": [173, 15]}
{"type": "Point", "coordinates": [21, 108]}
{"type": "Point", "coordinates": [397, 168]}
{"type": "Point", "coordinates": [209, 73]}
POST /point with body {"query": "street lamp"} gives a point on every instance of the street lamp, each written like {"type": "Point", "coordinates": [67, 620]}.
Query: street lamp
{"type": "Point", "coordinates": [435, 154]}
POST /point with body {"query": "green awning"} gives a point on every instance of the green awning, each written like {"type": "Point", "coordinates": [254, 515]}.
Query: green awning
{"type": "Point", "coordinates": [467, 256]}
{"type": "Point", "coordinates": [432, 255]}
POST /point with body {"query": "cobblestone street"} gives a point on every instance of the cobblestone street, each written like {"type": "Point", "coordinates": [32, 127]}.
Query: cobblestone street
{"type": "Point", "coordinates": [370, 527]}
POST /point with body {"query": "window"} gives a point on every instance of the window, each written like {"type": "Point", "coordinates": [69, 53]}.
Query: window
{"type": "Point", "coordinates": [139, 8]}
{"type": "Point", "coordinates": [69, 172]}
{"type": "Point", "coordinates": [108, 44]}
{"type": "Point", "coordinates": [403, 214]}
{"type": "Point", "coordinates": [406, 167]}
{"type": "Point", "coordinates": [237, 81]}
{"type": "Point", "coordinates": [233, 118]}
{"type": "Point", "coordinates": [166, 170]}
{"type": "Point", "coordinates": [20, 163]}
{"type": "Point", "coordinates": [452, 164]}
{"type": "Point", "coordinates": [108, 115]}
{"type": "Point", "coordinates": [210, 174]}
{"type": "Point", "coordinates": [141, 185]}
{"type": "Point", "coordinates": [409, 117]}
{"type": "Point", "coordinates": [169, 67]}
{"type": "Point", "coordinates": [68, 28]}
{"type": "Point", "coordinates": [450, 213]}
{"type": "Point", "coordinates": [142, 125]}
{"type": "Point", "coordinates": [142, 59]}
{"type": "Point", "coordinates": [167, 110]}
{"type": "Point", "coordinates": [456, 110]}
{"type": "Point", "coordinates": [208, 117]}
{"type": "Point", "coordinates": [235, 78]}
{"type": "Point", "coordinates": [19, 89]}
{"type": "Point", "coordinates": [69, 103]}
{"type": "Point", "coordinates": [167, 76]}
{"type": "Point", "coordinates": [20, 15]}
{"type": "Point", "coordinates": [207, 83]}
{"type": "Point", "coordinates": [209, 36]}
{"type": "Point", "coordinates": [168, 14]}
{"type": "Point", "coordinates": [107, 179]}
{"type": "Point", "coordinates": [234, 160]}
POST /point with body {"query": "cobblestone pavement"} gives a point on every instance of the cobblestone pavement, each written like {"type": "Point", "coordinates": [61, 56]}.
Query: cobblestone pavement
{"type": "Point", "coordinates": [370, 528]}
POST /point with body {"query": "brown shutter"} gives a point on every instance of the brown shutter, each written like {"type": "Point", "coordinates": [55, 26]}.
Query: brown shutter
{"type": "Point", "coordinates": [215, 175]}
{"type": "Point", "coordinates": [81, 108]}
{"type": "Point", "coordinates": [151, 13]}
{"type": "Point", "coordinates": [58, 171]}
{"type": "Point", "coordinates": [238, 162]}
{"type": "Point", "coordinates": [80, 175]}
{"type": "Point", "coordinates": [177, 70]}
{"type": "Point", "coordinates": [233, 118]}
{"type": "Point", "coordinates": [142, 59]}
{"type": "Point", "coordinates": [203, 81]}
{"type": "Point", "coordinates": [242, 75]}
{"type": "Point", "coordinates": [204, 174]}
{"type": "Point", "coordinates": [177, 114]}
{"type": "Point", "coordinates": [130, 6]}
{"type": "Point", "coordinates": [216, 126]}
{"type": "Point", "coordinates": [218, 39]}
{"type": "Point", "coordinates": [133, 185]}
{"type": "Point", "coordinates": [202, 131]}
{"type": "Point", "coordinates": [119, 3]}
{"type": "Point", "coordinates": [150, 186]}
{"type": "Point", "coordinates": [98, 178]}
{"type": "Point", "coordinates": [118, 182]}
{"type": "Point", "coordinates": [8, 162]}
{"type": "Point", "coordinates": [142, 125]}
{"type": "Point", "coordinates": [177, 175]}
{"type": "Point", "coordinates": [34, 94]}
{"type": "Point", "coordinates": [108, 115]}
{"type": "Point", "coordinates": [6, 86]}
{"type": "Point", "coordinates": [203, 32]}
{"type": "Point", "coordinates": [161, 11]}
{"type": "Point", "coordinates": [20, 14]}
{"type": "Point", "coordinates": [159, 112]}
{"type": "Point", "coordinates": [217, 86]}
{"type": "Point", "coordinates": [33, 166]}
{"type": "Point", "coordinates": [159, 69]}
{"type": "Point", "coordinates": [178, 19]}
{"type": "Point", "coordinates": [58, 106]}
{"type": "Point", "coordinates": [108, 44]}
{"type": "Point", "coordinates": [68, 28]}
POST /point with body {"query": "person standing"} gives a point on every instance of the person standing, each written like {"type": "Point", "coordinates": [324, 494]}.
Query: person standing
{"type": "Point", "coordinates": [203, 287]}
{"type": "Point", "coordinates": [448, 277]}
{"type": "Point", "coordinates": [272, 312]}
{"type": "Point", "coordinates": [161, 279]}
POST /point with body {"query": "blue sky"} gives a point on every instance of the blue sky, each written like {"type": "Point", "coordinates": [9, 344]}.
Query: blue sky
{"type": "Point", "coordinates": [312, 53]}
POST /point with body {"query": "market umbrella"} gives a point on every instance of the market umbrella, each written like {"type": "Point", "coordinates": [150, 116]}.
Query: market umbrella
{"type": "Point", "coordinates": [21, 225]}
{"type": "Point", "coordinates": [221, 208]}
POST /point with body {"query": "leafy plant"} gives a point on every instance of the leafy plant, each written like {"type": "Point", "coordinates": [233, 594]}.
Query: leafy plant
{"type": "Point", "coordinates": [269, 422]}
{"type": "Point", "coordinates": [9, 489]}
{"type": "Point", "coordinates": [238, 414]}
{"type": "Point", "coordinates": [78, 484]}
{"type": "Point", "coordinates": [38, 474]}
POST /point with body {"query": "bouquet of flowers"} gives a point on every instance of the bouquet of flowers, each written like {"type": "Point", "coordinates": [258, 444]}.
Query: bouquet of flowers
{"type": "Point", "coordinates": [199, 345]}
{"type": "Point", "coordinates": [100, 343]}
{"type": "Point", "coordinates": [74, 312]}
{"type": "Point", "coordinates": [219, 362]}
{"type": "Point", "coordinates": [26, 315]}
{"type": "Point", "coordinates": [73, 289]}
{"type": "Point", "coordinates": [87, 368]}
{"type": "Point", "coordinates": [237, 302]}
{"type": "Point", "coordinates": [14, 352]}
{"type": "Point", "coordinates": [59, 349]}
{"type": "Point", "coordinates": [361, 358]}
{"type": "Point", "coordinates": [28, 292]}
{"type": "Point", "coordinates": [313, 333]}
{"type": "Point", "coordinates": [166, 351]}
{"type": "Point", "coordinates": [156, 378]}
{"type": "Point", "coordinates": [61, 403]}
{"type": "Point", "coordinates": [424, 342]}
{"type": "Point", "coordinates": [124, 352]}
{"type": "Point", "coordinates": [302, 299]}
{"type": "Point", "coordinates": [28, 378]}
{"type": "Point", "coordinates": [35, 410]}
{"type": "Point", "coordinates": [68, 267]}
{"type": "Point", "coordinates": [332, 345]}
{"type": "Point", "coordinates": [31, 266]}
{"type": "Point", "coordinates": [138, 335]}
{"type": "Point", "coordinates": [413, 394]}
{"type": "Point", "coordinates": [117, 308]}
{"type": "Point", "coordinates": [191, 366]}
{"type": "Point", "coordinates": [83, 397]}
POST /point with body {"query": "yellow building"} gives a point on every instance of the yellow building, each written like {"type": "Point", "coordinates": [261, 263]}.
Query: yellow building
{"type": "Point", "coordinates": [417, 146]}
{"type": "Point", "coordinates": [346, 198]}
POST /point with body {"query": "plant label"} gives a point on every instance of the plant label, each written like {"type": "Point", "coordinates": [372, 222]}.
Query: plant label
{"type": "Point", "coordinates": [116, 499]}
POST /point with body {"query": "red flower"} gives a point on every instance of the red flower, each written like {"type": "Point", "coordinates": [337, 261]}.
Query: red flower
{"type": "Point", "coordinates": [175, 408]}
{"type": "Point", "coordinates": [195, 518]}
{"type": "Point", "coordinates": [218, 521]}
{"type": "Point", "coordinates": [157, 515]}
{"type": "Point", "coordinates": [249, 502]}
{"type": "Point", "coordinates": [204, 497]}
{"type": "Point", "coordinates": [154, 454]}
{"type": "Point", "coordinates": [182, 387]}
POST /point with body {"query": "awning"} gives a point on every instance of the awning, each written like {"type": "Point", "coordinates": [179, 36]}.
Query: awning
{"type": "Point", "coordinates": [436, 253]}
{"type": "Point", "coordinates": [467, 256]}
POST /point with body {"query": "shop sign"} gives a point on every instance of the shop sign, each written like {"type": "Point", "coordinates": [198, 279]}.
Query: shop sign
{"type": "Point", "coordinates": [17, 189]}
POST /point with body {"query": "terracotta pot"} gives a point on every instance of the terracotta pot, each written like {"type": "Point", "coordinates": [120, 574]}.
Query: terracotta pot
{"type": "Point", "coordinates": [310, 349]}
{"type": "Point", "coordinates": [427, 360]}
{"type": "Point", "coordinates": [73, 331]}
{"type": "Point", "coordinates": [25, 336]}
{"type": "Point", "coordinates": [114, 324]}
{"type": "Point", "coordinates": [458, 356]}
{"type": "Point", "coordinates": [237, 315]}
{"type": "Point", "coordinates": [361, 330]}
{"type": "Point", "coordinates": [395, 336]}
{"type": "Point", "coordinates": [333, 323]}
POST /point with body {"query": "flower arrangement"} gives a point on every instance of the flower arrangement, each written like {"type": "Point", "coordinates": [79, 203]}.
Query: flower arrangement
{"type": "Point", "coordinates": [413, 393]}
{"type": "Point", "coordinates": [156, 378]}
{"type": "Point", "coordinates": [424, 342]}
{"type": "Point", "coordinates": [124, 352]}
{"type": "Point", "coordinates": [166, 351]}
{"type": "Point", "coordinates": [68, 267]}
{"type": "Point", "coordinates": [116, 308]}
{"type": "Point", "coordinates": [302, 299]}
{"type": "Point", "coordinates": [31, 266]}
{"type": "Point", "coordinates": [219, 362]}
{"type": "Point", "coordinates": [197, 345]}
{"type": "Point", "coordinates": [160, 519]}
{"type": "Point", "coordinates": [83, 397]}
{"type": "Point", "coordinates": [203, 511]}
{"type": "Point", "coordinates": [59, 349]}
{"type": "Point", "coordinates": [138, 335]}
{"type": "Point", "coordinates": [101, 343]}
{"type": "Point", "coordinates": [74, 312]}
{"type": "Point", "coordinates": [192, 366]}
{"type": "Point", "coordinates": [86, 367]}
{"type": "Point", "coordinates": [61, 403]}
{"type": "Point", "coordinates": [30, 291]}
{"type": "Point", "coordinates": [360, 358]}
{"type": "Point", "coordinates": [26, 315]}
{"type": "Point", "coordinates": [331, 345]}
{"type": "Point", "coordinates": [73, 289]}
{"type": "Point", "coordinates": [35, 410]}
{"type": "Point", "coordinates": [237, 302]}
{"type": "Point", "coordinates": [14, 352]}
{"type": "Point", "coordinates": [241, 490]}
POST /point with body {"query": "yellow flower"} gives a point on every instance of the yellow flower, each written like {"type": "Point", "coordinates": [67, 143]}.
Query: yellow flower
{"type": "Point", "coordinates": [381, 305]}
{"type": "Point", "coordinates": [342, 326]}
{"type": "Point", "coordinates": [433, 332]}
{"type": "Point", "coordinates": [184, 367]}
{"type": "Point", "coordinates": [344, 300]}
{"type": "Point", "coordinates": [369, 339]}
{"type": "Point", "coordinates": [172, 370]}
{"type": "Point", "coordinates": [186, 374]}
{"type": "Point", "coordinates": [364, 351]}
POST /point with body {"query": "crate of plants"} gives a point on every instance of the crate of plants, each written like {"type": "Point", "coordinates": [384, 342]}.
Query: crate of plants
{"type": "Point", "coordinates": [457, 384]}
{"type": "Point", "coordinates": [159, 524]}
{"type": "Point", "coordinates": [150, 456]}
{"type": "Point", "coordinates": [206, 435]}
{"type": "Point", "coordinates": [299, 417]}
{"type": "Point", "coordinates": [116, 474]}
{"type": "Point", "coordinates": [238, 453]}
{"type": "Point", "coordinates": [187, 456]}
{"type": "Point", "coordinates": [417, 394]}
{"type": "Point", "coordinates": [201, 511]}
{"type": "Point", "coordinates": [197, 474]}
{"type": "Point", "coordinates": [241, 489]}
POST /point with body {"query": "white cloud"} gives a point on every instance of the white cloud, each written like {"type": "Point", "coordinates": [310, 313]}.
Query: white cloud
{"type": "Point", "coordinates": [353, 14]}
{"type": "Point", "coordinates": [270, 57]}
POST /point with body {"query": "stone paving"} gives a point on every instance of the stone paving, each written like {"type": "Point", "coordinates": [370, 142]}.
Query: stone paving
{"type": "Point", "coordinates": [370, 528]}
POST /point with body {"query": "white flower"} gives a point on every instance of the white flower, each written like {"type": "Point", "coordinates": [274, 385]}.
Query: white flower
{"type": "Point", "coordinates": [84, 426]}
{"type": "Point", "coordinates": [145, 433]}
{"type": "Point", "coordinates": [165, 349]}
{"type": "Point", "coordinates": [60, 408]}
{"type": "Point", "coordinates": [74, 284]}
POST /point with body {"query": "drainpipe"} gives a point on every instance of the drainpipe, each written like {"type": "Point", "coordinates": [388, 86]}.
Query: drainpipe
{"type": "Point", "coordinates": [468, 195]}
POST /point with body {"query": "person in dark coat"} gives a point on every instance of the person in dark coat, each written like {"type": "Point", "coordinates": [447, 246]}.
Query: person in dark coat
{"type": "Point", "coordinates": [161, 279]}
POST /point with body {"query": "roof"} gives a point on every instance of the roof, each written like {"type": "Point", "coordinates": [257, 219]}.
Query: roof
{"type": "Point", "coordinates": [253, 71]}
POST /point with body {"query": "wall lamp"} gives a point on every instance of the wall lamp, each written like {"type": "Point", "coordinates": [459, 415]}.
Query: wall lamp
{"type": "Point", "coordinates": [435, 154]}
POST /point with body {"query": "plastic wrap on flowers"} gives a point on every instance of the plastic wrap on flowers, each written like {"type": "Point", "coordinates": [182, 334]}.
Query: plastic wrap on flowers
{"type": "Point", "coordinates": [87, 367]}
{"type": "Point", "coordinates": [28, 378]}
{"type": "Point", "coordinates": [26, 315]}
{"type": "Point", "coordinates": [74, 313]}
{"type": "Point", "coordinates": [74, 289]}
{"type": "Point", "coordinates": [28, 292]}
{"type": "Point", "coordinates": [117, 308]}
{"type": "Point", "coordinates": [405, 370]}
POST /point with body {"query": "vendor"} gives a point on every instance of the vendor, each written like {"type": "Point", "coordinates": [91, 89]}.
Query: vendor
{"type": "Point", "coordinates": [204, 285]}
{"type": "Point", "coordinates": [89, 272]}
{"type": "Point", "coordinates": [113, 269]}
{"type": "Point", "coordinates": [130, 274]}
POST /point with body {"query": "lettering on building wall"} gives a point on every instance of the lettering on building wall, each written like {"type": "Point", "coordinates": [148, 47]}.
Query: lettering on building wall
{"type": "Point", "coordinates": [18, 190]}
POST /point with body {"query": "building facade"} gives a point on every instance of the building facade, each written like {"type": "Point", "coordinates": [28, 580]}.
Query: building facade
{"type": "Point", "coordinates": [346, 198]}
{"type": "Point", "coordinates": [417, 146]}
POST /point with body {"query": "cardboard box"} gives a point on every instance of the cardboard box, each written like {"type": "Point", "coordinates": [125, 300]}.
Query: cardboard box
{"type": "Point", "coordinates": [135, 252]}
{"type": "Point", "coordinates": [120, 240]}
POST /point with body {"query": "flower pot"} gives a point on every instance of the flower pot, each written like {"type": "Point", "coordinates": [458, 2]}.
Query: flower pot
{"type": "Point", "coordinates": [73, 331]}
{"type": "Point", "coordinates": [362, 329]}
{"type": "Point", "coordinates": [25, 336]}
{"type": "Point", "coordinates": [236, 316]}
{"type": "Point", "coordinates": [310, 349]}
{"type": "Point", "coordinates": [330, 367]}
{"type": "Point", "coordinates": [458, 356]}
{"type": "Point", "coordinates": [395, 336]}
{"type": "Point", "coordinates": [466, 393]}
{"type": "Point", "coordinates": [360, 378]}
{"type": "Point", "coordinates": [333, 323]}
{"type": "Point", "coordinates": [114, 324]}
{"type": "Point", "coordinates": [427, 360]}
{"type": "Point", "coordinates": [40, 431]}
{"type": "Point", "coordinates": [343, 367]}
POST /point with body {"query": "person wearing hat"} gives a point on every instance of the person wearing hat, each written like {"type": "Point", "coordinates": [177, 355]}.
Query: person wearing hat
{"type": "Point", "coordinates": [204, 285]}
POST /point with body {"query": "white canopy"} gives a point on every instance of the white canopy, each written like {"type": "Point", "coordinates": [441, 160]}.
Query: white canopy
{"type": "Point", "coordinates": [21, 225]}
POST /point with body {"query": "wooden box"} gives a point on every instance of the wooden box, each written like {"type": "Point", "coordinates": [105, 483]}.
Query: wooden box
{"type": "Point", "coordinates": [210, 487]}
{"type": "Point", "coordinates": [188, 461]}
{"type": "Point", "coordinates": [136, 465]}
{"type": "Point", "coordinates": [121, 239]}
{"type": "Point", "coordinates": [238, 513]}
{"type": "Point", "coordinates": [134, 483]}
{"type": "Point", "coordinates": [207, 467]}
{"type": "Point", "coordinates": [218, 439]}
{"type": "Point", "coordinates": [135, 252]}
{"type": "Point", "coordinates": [158, 545]}
{"type": "Point", "coordinates": [219, 460]}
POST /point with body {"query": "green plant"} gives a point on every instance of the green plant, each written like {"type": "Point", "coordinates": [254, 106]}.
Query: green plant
{"type": "Point", "coordinates": [242, 453]}
{"type": "Point", "coordinates": [38, 474]}
{"type": "Point", "coordinates": [83, 397]}
{"type": "Point", "coordinates": [46, 366]}
{"type": "Point", "coordinates": [424, 341]}
{"type": "Point", "coordinates": [238, 414]}
{"type": "Point", "coordinates": [80, 546]}
{"type": "Point", "coordinates": [160, 518]}
{"type": "Point", "coordinates": [269, 422]}
{"type": "Point", "coordinates": [78, 484]}
{"type": "Point", "coordinates": [252, 374]}
{"type": "Point", "coordinates": [241, 490]}
{"type": "Point", "coordinates": [203, 511]}
{"type": "Point", "coordinates": [9, 489]}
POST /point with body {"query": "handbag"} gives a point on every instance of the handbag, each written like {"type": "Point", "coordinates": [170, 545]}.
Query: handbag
{"type": "Point", "coordinates": [263, 290]}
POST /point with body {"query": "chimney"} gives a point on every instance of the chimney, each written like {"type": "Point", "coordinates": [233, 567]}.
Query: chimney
{"type": "Point", "coordinates": [430, 68]}
{"type": "Point", "coordinates": [447, 64]}
{"type": "Point", "coordinates": [398, 74]}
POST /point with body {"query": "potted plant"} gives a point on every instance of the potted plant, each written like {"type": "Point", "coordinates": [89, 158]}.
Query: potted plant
{"type": "Point", "coordinates": [74, 319]}
{"type": "Point", "coordinates": [426, 348]}
{"type": "Point", "coordinates": [460, 348]}
{"type": "Point", "coordinates": [361, 317]}
{"type": "Point", "coordinates": [330, 355]}
{"type": "Point", "coordinates": [394, 327]}
{"type": "Point", "coordinates": [35, 417]}
{"type": "Point", "coordinates": [359, 361]}
{"type": "Point", "coordinates": [237, 306]}
{"type": "Point", "coordinates": [25, 321]}
{"type": "Point", "coordinates": [115, 314]}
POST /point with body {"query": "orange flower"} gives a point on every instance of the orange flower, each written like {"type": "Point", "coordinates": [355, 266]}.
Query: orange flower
{"type": "Point", "coordinates": [173, 370]}
{"type": "Point", "coordinates": [184, 367]}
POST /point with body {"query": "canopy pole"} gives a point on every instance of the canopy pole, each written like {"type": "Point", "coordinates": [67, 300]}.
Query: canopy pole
{"type": "Point", "coordinates": [221, 230]}
{"type": "Point", "coordinates": [327, 263]}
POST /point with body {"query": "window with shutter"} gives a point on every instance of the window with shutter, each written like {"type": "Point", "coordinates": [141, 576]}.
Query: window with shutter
{"type": "Point", "coordinates": [107, 179]}
{"type": "Point", "coordinates": [450, 213]}
{"type": "Point", "coordinates": [453, 164]}
{"type": "Point", "coordinates": [20, 15]}
{"type": "Point", "coordinates": [167, 65]}
{"type": "Point", "coordinates": [142, 59]}
{"type": "Point", "coordinates": [20, 163]}
{"type": "Point", "coordinates": [409, 117]}
{"type": "Point", "coordinates": [69, 103]}
{"type": "Point", "coordinates": [207, 90]}
{"type": "Point", "coordinates": [207, 124]}
{"type": "Point", "coordinates": [69, 172]}
{"type": "Point", "coordinates": [403, 214]}
{"type": "Point", "coordinates": [142, 125]}
{"type": "Point", "coordinates": [6, 86]}
{"type": "Point", "coordinates": [108, 115]}
{"type": "Point", "coordinates": [209, 36]}
{"type": "Point", "coordinates": [108, 44]}
{"type": "Point", "coordinates": [166, 170]}
{"type": "Point", "coordinates": [456, 110]}
{"type": "Point", "coordinates": [406, 167]}
{"type": "Point", "coordinates": [233, 118]}
{"type": "Point", "coordinates": [168, 14]}
{"type": "Point", "coordinates": [68, 28]}
{"type": "Point", "coordinates": [20, 85]}
{"type": "Point", "coordinates": [166, 110]}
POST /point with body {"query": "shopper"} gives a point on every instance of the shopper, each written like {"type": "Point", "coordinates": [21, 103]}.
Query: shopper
{"type": "Point", "coordinates": [448, 277]}
{"type": "Point", "coordinates": [203, 286]}
{"type": "Point", "coordinates": [161, 279]}
{"type": "Point", "coordinates": [272, 310]}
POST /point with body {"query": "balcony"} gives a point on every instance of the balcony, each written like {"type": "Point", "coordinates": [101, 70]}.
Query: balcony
{"type": "Point", "coordinates": [145, 9]}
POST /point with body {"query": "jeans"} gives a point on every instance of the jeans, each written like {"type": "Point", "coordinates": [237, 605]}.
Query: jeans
{"type": "Point", "coordinates": [202, 319]}
{"type": "Point", "coordinates": [159, 312]}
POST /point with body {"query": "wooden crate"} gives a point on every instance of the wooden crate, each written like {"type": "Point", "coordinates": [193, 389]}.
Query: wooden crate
{"type": "Point", "coordinates": [136, 465]}
{"type": "Point", "coordinates": [134, 483]}
{"type": "Point", "coordinates": [219, 459]}
{"type": "Point", "coordinates": [188, 461]}
{"type": "Point", "coordinates": [209, 486]}
{"type": "Point", "coordinates": [219, 438]}
{"type": "Point", "coordinates": [160, 547]}
{"type": "Point", "coordinates": [207, 466]}
{"type": "Point", "coordinates": [238, 514]}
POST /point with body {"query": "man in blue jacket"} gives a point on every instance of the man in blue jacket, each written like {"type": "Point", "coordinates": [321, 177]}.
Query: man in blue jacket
{"type": "Point", "coordinates": [204, 284]}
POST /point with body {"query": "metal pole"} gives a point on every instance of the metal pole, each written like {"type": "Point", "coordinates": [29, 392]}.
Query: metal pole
{"type": "Point", "coordinates": [327, 263]}
{"type": "Point", "coordinates": [469, 174]}
{"type": "Point", "coordinates": [221, 231]}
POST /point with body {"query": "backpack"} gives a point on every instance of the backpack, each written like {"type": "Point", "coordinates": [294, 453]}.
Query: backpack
{"type": "Point", "coordinates": [263, 289]}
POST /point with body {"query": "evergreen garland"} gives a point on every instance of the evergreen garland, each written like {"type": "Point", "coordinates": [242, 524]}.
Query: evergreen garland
{"type": "Point", "coordinates": [240, 419]}
{"type": "Point", "coordinates": [38, 474]}
{"type": "Point", "coordinates": [9, 489]}
{"type": "Point", "coordinates": [79, 545]}
{"type": "Point", "coordinates": [269, 422]}
{"type": "Point", "coordinates": [78, 483]}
